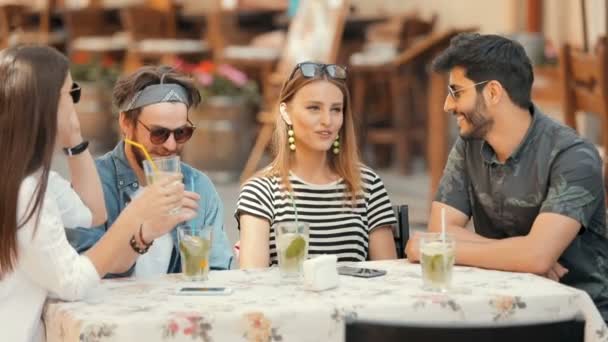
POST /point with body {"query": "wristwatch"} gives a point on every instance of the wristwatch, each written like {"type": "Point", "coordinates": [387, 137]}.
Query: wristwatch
{"type": "Point", "coordinates": [72, 151]}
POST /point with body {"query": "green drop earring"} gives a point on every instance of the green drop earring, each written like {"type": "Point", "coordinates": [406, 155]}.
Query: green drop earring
{"type": "Point", "coordinates": [336, 145]}
{"type": "Point", "coordinates": [291, 140]}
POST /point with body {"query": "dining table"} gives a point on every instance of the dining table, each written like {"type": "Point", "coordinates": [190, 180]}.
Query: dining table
{"type": "Point", "coordinates": [263, 307]}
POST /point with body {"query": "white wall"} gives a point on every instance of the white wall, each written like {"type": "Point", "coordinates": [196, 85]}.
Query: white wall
{"type": "Point", "coordinates": [491, 16]}
{"type": "Point", "coordinates": [561, 20]}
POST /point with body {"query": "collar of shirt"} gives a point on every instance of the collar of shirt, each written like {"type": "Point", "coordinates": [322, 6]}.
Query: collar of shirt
{"type": "Point", "coordinates": [487, 152]}
{"type": "Point", "coordinates": [126, 180]}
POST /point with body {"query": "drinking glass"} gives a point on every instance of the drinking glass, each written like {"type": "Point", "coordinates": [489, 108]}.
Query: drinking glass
{"type": "Point", "coordinates": [437, 261]}
{"type": "Point", "coordinates": [292, 249]}
{"type": "Point", "coordinates": [195, 248]}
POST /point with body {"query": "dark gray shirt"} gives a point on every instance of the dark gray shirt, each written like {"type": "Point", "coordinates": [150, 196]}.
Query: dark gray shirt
{"type": "Point", "coordinates": [552, 171]}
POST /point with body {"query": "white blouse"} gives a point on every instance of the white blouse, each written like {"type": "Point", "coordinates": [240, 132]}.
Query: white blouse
{"type": "Point", "coordinates": [74, 213]}
{"type": "Point", "coordinates": [46, 266]}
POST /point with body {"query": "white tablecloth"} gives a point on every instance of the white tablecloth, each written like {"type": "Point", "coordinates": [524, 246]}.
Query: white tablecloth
{"type": "Point", "coordinates": [263, 309]}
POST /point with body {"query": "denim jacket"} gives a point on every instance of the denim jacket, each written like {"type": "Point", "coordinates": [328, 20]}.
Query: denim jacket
{"type": "Point", "coordinates": [120, 185]}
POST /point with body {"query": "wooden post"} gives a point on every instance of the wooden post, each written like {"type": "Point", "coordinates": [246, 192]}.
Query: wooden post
{"type": "Point", "coordinates": [213, 32]}
{"type": "Point", "coordinates": [401, 115]}
{"type": "Point", "coordinates": [585, 35]}
{"type": "Point", "coordinates": [437, 130]}
{"type": "Point", "coordinates": [535, 16]}
{"type": "Point", "coordinates": [567, 97]}
{"type": "Point", "coordinates": [358, 105]}
{"type": "Point", "coordinates": [168, 8]}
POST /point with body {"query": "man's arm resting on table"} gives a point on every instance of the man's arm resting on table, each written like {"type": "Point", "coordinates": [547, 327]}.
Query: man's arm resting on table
{"type": "Point", "coordinates": [536, 252]}
{"type": "Point", "coordinates": [455, 222]}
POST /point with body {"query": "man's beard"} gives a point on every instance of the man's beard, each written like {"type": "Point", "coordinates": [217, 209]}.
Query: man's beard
{"type": "Point", "coordinates": [139, 156]}
{"type": "Point", "coordinates": [480, 124]}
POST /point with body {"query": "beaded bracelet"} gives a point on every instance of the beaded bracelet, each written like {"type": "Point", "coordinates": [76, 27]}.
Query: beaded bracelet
{"type": "Point", "coordinates": [135, 246]}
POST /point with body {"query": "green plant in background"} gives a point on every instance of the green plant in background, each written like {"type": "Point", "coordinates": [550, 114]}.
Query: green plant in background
{"type": "Point", "coordinates": [87, 67]}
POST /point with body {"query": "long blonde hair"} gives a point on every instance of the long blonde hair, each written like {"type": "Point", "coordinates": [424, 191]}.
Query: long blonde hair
{"type": "Point", "coordinates": [346, 163]}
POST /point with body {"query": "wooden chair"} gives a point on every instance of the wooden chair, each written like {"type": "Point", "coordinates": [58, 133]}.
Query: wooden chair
{"type": "Point", "coordinates": [158, 42]}
{"type": "Point", "coordinates": [298, 48]}
{"type": "Point", "coordinates": [229, 41]}
{"type": "Point", "coordinates": [402, 83]}
{"type": "Point", "coordinates": [92, 29]}
{"type": "Point", "coordinates": [370, 331]}
{"type": "Point", "coordinates": [28, 22]}
{"type": "Point", "coordinates": [402, 230]}
{"type": "Point", "coordinates": [584, 87]}
{"type": "Point", "coordinates": [249, 51]}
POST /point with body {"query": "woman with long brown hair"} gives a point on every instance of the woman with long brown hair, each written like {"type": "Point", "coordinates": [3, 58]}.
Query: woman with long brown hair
{"type": "Point", "coordinates": [316, 177]}
{"type": "Point", "coordinates": [36, 106]}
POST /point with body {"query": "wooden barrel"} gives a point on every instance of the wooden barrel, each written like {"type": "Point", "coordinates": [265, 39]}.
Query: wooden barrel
{"type": "Point", "coordinates": [223, 136]}
{"type": "Point", "coordinates": [95, 114]}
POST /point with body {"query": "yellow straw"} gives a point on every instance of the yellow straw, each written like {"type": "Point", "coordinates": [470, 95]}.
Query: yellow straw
{"type": "Point", "coordinates": [143, 149]}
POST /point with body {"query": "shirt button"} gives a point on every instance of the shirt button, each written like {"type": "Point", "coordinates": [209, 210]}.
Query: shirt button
{"type": "Point", "coordinates": [121, 182]}
{"type": "Point", "coordinates": [135, 185]}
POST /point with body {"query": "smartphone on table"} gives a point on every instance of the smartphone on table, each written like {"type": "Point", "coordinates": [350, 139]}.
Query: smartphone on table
{"type": "Point", "coordinates": [203, 291]}
{"type": "Point", "coordinates": [360, 272]}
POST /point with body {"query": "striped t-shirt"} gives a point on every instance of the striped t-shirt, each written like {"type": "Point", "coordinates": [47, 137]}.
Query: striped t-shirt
{"type": "Point", "coordinates": [335, 225]}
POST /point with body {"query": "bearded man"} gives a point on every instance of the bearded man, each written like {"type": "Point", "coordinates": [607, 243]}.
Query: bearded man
{"type": "Point", "coordinates": [532, 186]}
{"type": "Point", "coordinates": [153, 103]}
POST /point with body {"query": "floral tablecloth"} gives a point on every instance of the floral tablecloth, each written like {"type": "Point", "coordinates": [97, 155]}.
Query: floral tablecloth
{"type": "Point", "coordinates": [261, 308]}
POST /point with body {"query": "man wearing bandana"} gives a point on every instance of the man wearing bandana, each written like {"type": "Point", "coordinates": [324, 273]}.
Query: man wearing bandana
{"type": "Point", "coordinates": [153, 103]}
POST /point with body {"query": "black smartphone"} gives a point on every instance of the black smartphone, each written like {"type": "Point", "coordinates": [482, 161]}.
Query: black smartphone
{"type": "Point", "coordinates": [360, 272]}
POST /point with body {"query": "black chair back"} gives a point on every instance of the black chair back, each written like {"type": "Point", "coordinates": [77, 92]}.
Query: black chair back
{"type": "Point", "coordinates": [562, 331]}
{"type": "Point", "coordinates": [402, 230]}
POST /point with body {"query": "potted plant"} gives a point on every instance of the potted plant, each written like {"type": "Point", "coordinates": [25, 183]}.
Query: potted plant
{"type": "Point", "coordinates": [225, 119]}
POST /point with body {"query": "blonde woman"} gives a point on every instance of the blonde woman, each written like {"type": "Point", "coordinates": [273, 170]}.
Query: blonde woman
{"type": "Point", "coordinates": [317, 169]}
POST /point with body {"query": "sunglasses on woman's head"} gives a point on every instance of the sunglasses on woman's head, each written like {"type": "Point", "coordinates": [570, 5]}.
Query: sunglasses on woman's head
{"type": "Point", "coordinates": [311, 69]}
{"type": "Point", "coordinates": [159, 135]}
{"type": "Point", "coordinates": [75, 92]}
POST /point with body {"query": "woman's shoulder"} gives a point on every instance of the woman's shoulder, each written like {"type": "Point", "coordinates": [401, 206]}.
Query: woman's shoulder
{"type": "Point", "coordinates": [263, 181]}
{"type": "Point", "coordinates": [28, 193]}
{"type": "Point", "coordinates": [368, 175]}
{"type": "Point", "coordinates": [28, 187]}
{"type": "Point", "coordinates": [57, 184]}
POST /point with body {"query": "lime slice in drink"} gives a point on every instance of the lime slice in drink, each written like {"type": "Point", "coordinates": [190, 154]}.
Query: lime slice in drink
{"type": "Point", "coordinates": [437, 263]}
{"type": "Point", "coordinates": [296, 248]}
{"type": "Point", "coordinates": [194, 245]}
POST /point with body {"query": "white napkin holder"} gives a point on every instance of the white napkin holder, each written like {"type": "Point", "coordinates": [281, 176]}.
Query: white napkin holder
{"type": "Point", "coordinates": [320, 273]}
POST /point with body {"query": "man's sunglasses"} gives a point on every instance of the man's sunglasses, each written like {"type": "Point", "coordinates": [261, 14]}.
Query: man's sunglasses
{"type": "Point", "coordinates": [311, 69]}
{"type": "Point", "coordinates": [159, 135]}
{"type": "Point", "coordinates": [75, 92]}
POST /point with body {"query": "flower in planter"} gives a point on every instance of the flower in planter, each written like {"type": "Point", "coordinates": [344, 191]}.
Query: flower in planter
{"type": "Point", "coordinates": [220, 80]}
{"type": "Point", "coordinates": [87, 67]}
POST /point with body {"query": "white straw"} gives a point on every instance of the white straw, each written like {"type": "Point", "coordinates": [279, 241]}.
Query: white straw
{"type": "Point", "coordinates": [443, 224]}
